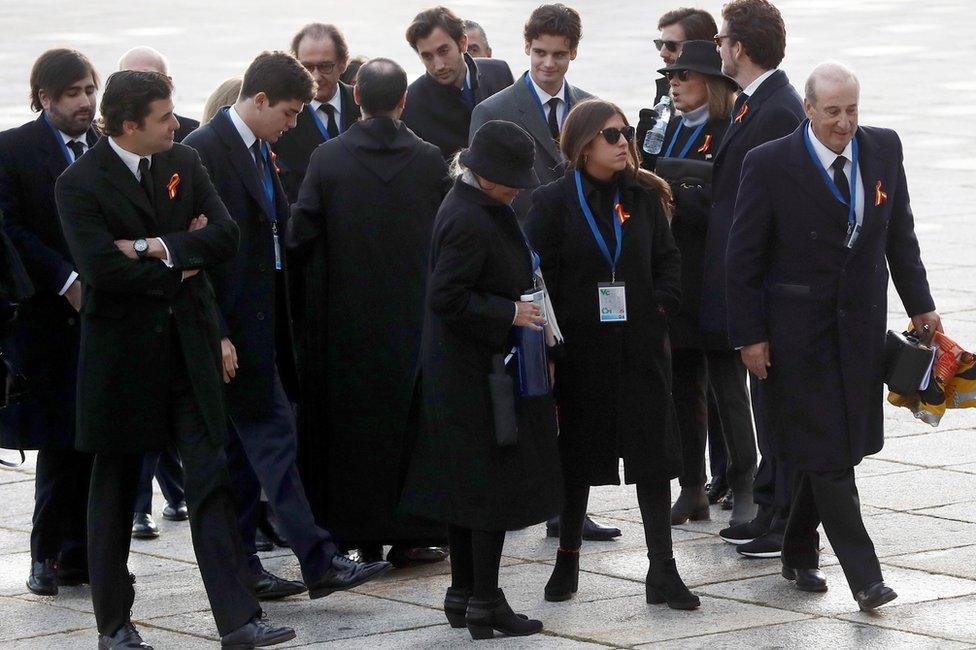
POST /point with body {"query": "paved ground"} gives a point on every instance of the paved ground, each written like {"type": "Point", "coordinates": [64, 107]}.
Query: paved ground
{"type": "Point", "coordinates": [918, 494]}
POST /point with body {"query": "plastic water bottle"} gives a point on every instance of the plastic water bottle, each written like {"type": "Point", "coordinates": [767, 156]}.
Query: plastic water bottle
{"type": "Point", "coordinates": [654, 140]}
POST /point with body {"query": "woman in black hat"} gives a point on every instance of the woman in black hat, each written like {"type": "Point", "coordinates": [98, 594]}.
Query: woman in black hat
{"type": "Point", "coordinates": [480, 266]}
{"type": "Point", "coordinates": [703, 97]}
{"type": "Point", "coordinates": [612, 270]}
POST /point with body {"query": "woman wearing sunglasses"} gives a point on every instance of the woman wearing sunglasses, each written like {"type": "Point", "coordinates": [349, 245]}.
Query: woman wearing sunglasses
{"type": "Point", "coordinates": [703, 97]}
{"type": "Point", "coordinates": [612, 270]}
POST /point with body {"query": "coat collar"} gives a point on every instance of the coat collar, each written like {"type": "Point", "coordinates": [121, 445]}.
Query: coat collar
{"type": "Point", "coordinates": [383, 145]}
{"type": "Point", "coordinates": [157, 213]}
{"type": "Point", "coordinates": [532, 119]}
{"type": "Point", "coordinates": [766, 89]}
{"type": "Point", "coordinates": [241, 158]}
{"type": "Point", "coordinates": [47, 139]}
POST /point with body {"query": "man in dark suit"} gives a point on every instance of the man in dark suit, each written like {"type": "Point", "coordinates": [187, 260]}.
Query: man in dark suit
{"type": "Point", "coordinates": [323, 51]}
{"type": "Point", "coordinates": [43, 342]}
{"type": "Point", "coordinates": [819, 213]}
{"type": "Point", "coordinates": [676, 27]}
{"type": "Point", "coordinates": [141, 219]}
{"type": "Point", "coordinates": [258, 353]}
{"type": "Point", "coordinates": [165, 466]}
{"type": "Point", "coordinates": [439, 104]}
{"type": "Point", "coordinates": [542, 98]}
{"type": "Point", "coordinates": [751, 42]}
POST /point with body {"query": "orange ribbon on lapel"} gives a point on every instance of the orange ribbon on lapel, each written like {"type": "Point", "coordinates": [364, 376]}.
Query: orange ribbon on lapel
{"type": "Point", "coordinates": [623, 216]}
{"type": "Point", "coordinates": [173, 185]}
{"type": "Point", "coordinates": [880, 196]}
{"type": "Point", "coordinates": [706, 145]}
{"type": "Point", "coordinates": [742, 113]}
{"type": "Point", "coordinates": [274, 162]}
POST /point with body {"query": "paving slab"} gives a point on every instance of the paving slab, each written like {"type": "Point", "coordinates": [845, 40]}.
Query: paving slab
{"type": "Point", "coordinates": [898, 533]}
{"type": "Point", "coordinates": [948, 619]}
{"type": "Point", "coordinates": [960, 562]}
{"type": "Point", "coordinates": [935, 449]}
{"type": "Point", "coordinates": [958, 511]}
{"type": "Point", "coordinates": [24, 620]}
{"type": "Point", "coordinates": [442, 637]}
{"type": "Point", "coordinates": [924, 488]}
{"type": "Point", "coordinates": [161, 639]}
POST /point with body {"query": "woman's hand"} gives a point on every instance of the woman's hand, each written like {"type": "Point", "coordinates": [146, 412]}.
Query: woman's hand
{"type": "Point", "coordinates": [528, 315]}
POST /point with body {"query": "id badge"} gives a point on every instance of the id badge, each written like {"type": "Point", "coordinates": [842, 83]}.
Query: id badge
{"type": "Point", "coordinates": [852, 235]}
{"type": "Point", "coordinates": [613, 302]}
{"type": "Point", "coordinates": [277, 245]}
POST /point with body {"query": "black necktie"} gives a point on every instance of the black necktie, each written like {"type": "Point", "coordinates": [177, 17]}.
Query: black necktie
{"type": "Point", "coordinates": [331, 127]}
{"type": "Point", "coordinates": [77, 148]}
{"type": "Point", "coordinates": [258, 156]}
{"type": "Point", "coordinates": [840, 178]}
{"type": "Point", "coordinates": [145, 178]}
{"type": "Point", "coordinates": [740, 101]}
{"type": "Point", "coordinates": [553, 105]}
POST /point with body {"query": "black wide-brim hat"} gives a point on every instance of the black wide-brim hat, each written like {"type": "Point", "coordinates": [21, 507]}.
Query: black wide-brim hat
{"type": "Point", "coordinates": [700, 56]}
{"type": "Point", "coordinates": [504, 153]}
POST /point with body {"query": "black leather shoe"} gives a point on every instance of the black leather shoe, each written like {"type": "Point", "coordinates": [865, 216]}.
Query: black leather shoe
{"type": "Point", "coordinates": [664, 585]}
{"type": "Point", "coordinates": [484, 617]}
{"type": "Point", "coordinates": [717, 489]}
{"type": "Point", "coordinates": [403, 556]}
{"type": "Point", "coordinates": [268, 586]}
{"type": "Point", "coordinates": [176, 511]}
{"type": "Point", "coordinates": [125, 637]}
{"type": "Point", "coordinates": [261, 542]}
{"type": "Point", "coordinates": [806, 579]}
{"type": "Point", "coordinates": [346, 574]}
{"type": "Point", "coordinates": [257, 633]}
{"type": "Point", "coordinates": [43, 579]}
{"type": "Point", "coordinates": [564, 581]}
{"type": "Point", "coordinates": [456, 605]}
{"type": "Point", "coordinates": [143, 526]}
{"type": "Point", "coordinates": [592, 531]}
{"type": "Point", "coordinates": [767, 546]}
{"type": "Point", "coordinates": [874, 596]}
{"type": "Point", "coordinates": [691, 504]}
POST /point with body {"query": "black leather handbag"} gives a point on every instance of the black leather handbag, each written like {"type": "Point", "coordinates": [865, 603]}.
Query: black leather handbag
{"type": "Point", "coordinates": [679, 171]}
{"type": "Point", "coordinates": [907, 361]}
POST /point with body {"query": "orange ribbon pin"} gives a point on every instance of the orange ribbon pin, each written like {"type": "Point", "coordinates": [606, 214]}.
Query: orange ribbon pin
{"type": "Point", "coordinates": [623, 216]}
{"type": "Point", "coordinates": [274, 162]}
{"type": "Point", "coordinates": [880, 196]}
{"type": "Point", "coordinates": [173, 185]}
{"type": "Point", "coordinates": [706, 145]}
{"type": "Point", "coordinates": [742, 113]}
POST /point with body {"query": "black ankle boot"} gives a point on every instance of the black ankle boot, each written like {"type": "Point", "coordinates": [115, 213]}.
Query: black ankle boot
{"type": "Point", "coordinates": [664, 585]}
{"type": "Point", "coordinates": [692, 504]}
{"type": "Point", "coordinates": [456, 605]}
{"type": "Point", "coordinates": [564, 581]}
{"type": "Point", "coordinates": [487, 615]}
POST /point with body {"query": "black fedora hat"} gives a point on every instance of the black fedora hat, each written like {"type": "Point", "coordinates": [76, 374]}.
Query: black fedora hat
{"type": "Point", "coordinates": [502, 152]}
{"type": "Point", "coordinates": [699, 56]}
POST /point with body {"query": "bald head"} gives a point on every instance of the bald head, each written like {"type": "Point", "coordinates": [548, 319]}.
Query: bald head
{"type": "Point", "coordinates": [831, 104]}
{"type": "Point", "coordinates": [829, 73]}
{"type": "Point", "coordinates": [144, 59]}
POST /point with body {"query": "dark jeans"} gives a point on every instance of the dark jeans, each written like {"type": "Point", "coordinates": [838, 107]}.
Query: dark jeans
{"type": "Point", "coordinates": [59, 530]}
{"type": "Point", "coordinates": [830, 497]}
{"type": "Point", "coordinates": [168, 470]}
{"type": "Point", "coordinates": [262, 456]}
{"type": "Point", "coordinates": [475, 558]}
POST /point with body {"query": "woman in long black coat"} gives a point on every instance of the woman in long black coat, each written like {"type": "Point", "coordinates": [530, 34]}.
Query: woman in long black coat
{"type": "Point", "coordinates": [480, 265]}
{"type": "Point", "coordinates": [605, 222]}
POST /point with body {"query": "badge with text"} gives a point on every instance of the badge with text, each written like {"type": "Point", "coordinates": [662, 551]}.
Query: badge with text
{"type": "Point", "coordinates": [613, 302]}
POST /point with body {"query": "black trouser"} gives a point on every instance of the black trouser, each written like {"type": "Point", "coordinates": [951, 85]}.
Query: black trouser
{"type": "Point", "coordinates": [475, 558]}
{"type": "Point", "coordinates": [689, 389]}
{"type": "Point", "coordinates": [830, 497]}
{"type": "Point", "coordinates": [216, 541]}
{"type": "Point", "coordinates": [718, 457]}
{"type": "Point", "coordinates": [59, 530]}
{"type": "Point", "coordinates": [168, 470]}
{"type": "Point", "coordinates": [771, 488]}
{"type": "Point", "coordinates": [654, 499]}
{"type": "Point", "coordinates": [262, 455]}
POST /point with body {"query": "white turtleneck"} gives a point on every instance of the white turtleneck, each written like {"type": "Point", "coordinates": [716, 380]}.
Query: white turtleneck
{"type": "Point", "coordinates": [696, 116]}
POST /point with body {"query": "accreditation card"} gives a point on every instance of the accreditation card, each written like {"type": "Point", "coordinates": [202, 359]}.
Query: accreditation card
{"type": "Point", "coordinates": [613, 302]}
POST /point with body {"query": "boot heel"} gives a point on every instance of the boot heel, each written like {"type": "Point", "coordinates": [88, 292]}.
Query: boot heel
{"type": "Point", "coordinates": [654, 597]}
{"type": "Point", "coordinates": [481, 632]}
{"type": "Point", "coordinates": [456, 619]}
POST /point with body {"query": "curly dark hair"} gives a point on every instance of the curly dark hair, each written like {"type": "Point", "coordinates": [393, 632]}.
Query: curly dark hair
{"type": "Point", "coordinates": [430, 19]}
{"type": "Point", "coordinates": [759, 26]}
{"type": "Point", "coordinates": [555, 20]}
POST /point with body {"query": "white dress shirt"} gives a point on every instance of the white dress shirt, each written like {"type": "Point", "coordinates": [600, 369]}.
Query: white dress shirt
{"type": "Point", "coordinates": [83, 139]}
{"type": "Point", "coordinates": [827, 158]}
{"type": "Point", "coordinates": [545, 97]}
{"type": "Point", "coordinates": [751, 89]}
{"type": "Point", "coordinates": [335, 102]}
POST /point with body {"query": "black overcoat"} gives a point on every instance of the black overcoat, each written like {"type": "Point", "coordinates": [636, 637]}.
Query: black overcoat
{"type": "Point", "coordinates": [613, 380]}
{"type": "Point", "coordinates": [479, 266]}
{"type": "Point", "coordinates": [825, 315]}
{"type": "Point", "coordinates": [42, 343]}
{"type": "Point", "coordinates": [362, 228]}
{"type": "Point", "coordinates": [130, 306]}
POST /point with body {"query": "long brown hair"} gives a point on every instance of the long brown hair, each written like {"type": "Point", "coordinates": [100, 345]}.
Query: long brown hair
{"type": "Point", "coordinates": [721, 97]}
{"type": "Point", "coordinates": [584, 124]}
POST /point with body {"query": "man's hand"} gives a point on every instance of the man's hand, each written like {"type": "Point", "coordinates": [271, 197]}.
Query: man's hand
{"type": "Point", "coordinates": [756, 358]}
{"type": "Point", "coordinates": [198, 222]}
{"type": "Point", "coordinates": [528, 315]}
{"type": "Point", "coordinates": [927, 325]}
{"type": "Point", "coordinates": [73, 295]}
{"type": "Point", "coordinates": [228, 354]}
{"type": "Point", "coordinates": [125, 245]}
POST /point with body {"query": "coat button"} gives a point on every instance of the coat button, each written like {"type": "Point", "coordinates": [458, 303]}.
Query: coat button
{"type": "Point", "coordinates": [262, 267]}
{"type": "Point", "coordinates": [260, 315]}
{"type": "Point", "coordinates": [158, 329]}
{"type": "Point", "coordinates": [813, 234]}
{"type": "Point", "coordinates": [841, 313]}
{"type": "Point", "coordinates": [71, 321]}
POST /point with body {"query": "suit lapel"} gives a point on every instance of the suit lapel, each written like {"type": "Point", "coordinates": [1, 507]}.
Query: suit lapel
{"type": "Point", "coordinates": [533, 121]}
{"type": "Point", "coordinates": [807, 175]}
{"type": "Point", "coordinates": [871, 171]}
{"type": "Point", "coordinates": [350, 111]}
{"type": "Point", "coordinates": [162, 172]}
{"type": "Point", "coordinates": [773, 83]}
{"type": "Point", "coordinates": [241, 159]}
{"type": "Point", "coordinates": [53, 154]}
{"type": "Point", "coordinates": [122, 178]}
{"type": "Point", "coordinates": [306, 130]}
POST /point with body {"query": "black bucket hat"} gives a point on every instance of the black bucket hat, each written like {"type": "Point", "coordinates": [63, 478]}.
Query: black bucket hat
{"type": "Point", "coordinates": [700, 56]}
{"type": "Point", "coordinates": [502, 152]}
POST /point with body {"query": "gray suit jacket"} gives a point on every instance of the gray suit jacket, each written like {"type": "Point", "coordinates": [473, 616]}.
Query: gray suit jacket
{"type": "Point", "coordinates": [517, 104]}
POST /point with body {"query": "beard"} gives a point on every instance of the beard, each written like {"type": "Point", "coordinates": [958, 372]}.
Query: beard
{"type": "Point", "coordinates": [74, 124]}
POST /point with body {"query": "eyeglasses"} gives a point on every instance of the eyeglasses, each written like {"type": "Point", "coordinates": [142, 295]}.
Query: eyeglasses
{"type": "Point", "coordinates": [671, 46]}
{"type": "Point", "coordinates": [682, 75]}
{"type": "Point", "coordinates": [612, 134]}
{"type": "Point", "coordinates": [325, 67]}
{"type": "Point", "coordinates": [718, 38]}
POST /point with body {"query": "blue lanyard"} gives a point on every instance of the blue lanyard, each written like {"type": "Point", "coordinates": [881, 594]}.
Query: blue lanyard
{"type": "Point", "coordinates": [318, 122]}
{"type": "Point", "coordinates": [536, 260]}
{"type": "Point", "coordinates": [566, 103]}
{"type": "Point", "coordinates": [851, 212]}
{"type": "Point", "coordinates": [267, 181]}
{"type": "Point", "coordinates": [68, 156]}
{"type": "Point", "coordinates": [597, 235]}
{"type": "Point", "coordinates": [691, 140]}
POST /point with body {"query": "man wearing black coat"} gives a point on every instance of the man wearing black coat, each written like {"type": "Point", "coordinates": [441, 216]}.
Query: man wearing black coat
{"type": "Point", "coordinates": [43, 342]}
{"type": "Point", "coordinates": [362, 224]}
{"type": "Point", "coordinates": [256, 341]}
{"type": "Point", "coordinates": [141, 219]}
{"type": "Point", "coordinates": [439, 104]}
{"type": "Point", "coordinates": [323, 51]}
{"type": "Point", "coordinates": [818, 216]}
{"type": "Point", "coordinates": [752, 43]}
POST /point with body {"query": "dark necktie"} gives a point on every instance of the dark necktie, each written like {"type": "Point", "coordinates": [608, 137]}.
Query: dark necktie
{"type": "Point", "coordinates": [258, 156]}
{"type": "Point", "coordinates": [331, 125]}
{"type": "Point", "coordinates": [467, 95]}
{"type": "Point", "coordinates": [145, 178]}
{"type": "Point", "coordinates": [553, 105]}
{"type": "Point", "coordinates": [77, 148]}
{"type": "Point", "coordinates": [840, 178]}
{"type": "Point", "coordinates": [740, 101]}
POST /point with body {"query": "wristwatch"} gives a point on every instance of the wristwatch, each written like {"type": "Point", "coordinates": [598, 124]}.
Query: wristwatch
{"type": "Point", "coordinates": [141, 247]}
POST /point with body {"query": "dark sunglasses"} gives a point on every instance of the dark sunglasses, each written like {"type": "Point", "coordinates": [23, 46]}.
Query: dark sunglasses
{"type": "Point", "coordinates": [718, 38]}
{"type": "Point", "coordinates": [671, 46]}
{"type": "Point", "coordinates": [325, 67]}
{"type": "Point", "coordinates": [682, 75]}
{"type": "Point", "coordinates": [612, 134]}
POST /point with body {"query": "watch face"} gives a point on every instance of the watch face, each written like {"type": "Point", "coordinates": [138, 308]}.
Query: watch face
{"type": "Point", "coordinates": [141, 245]}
